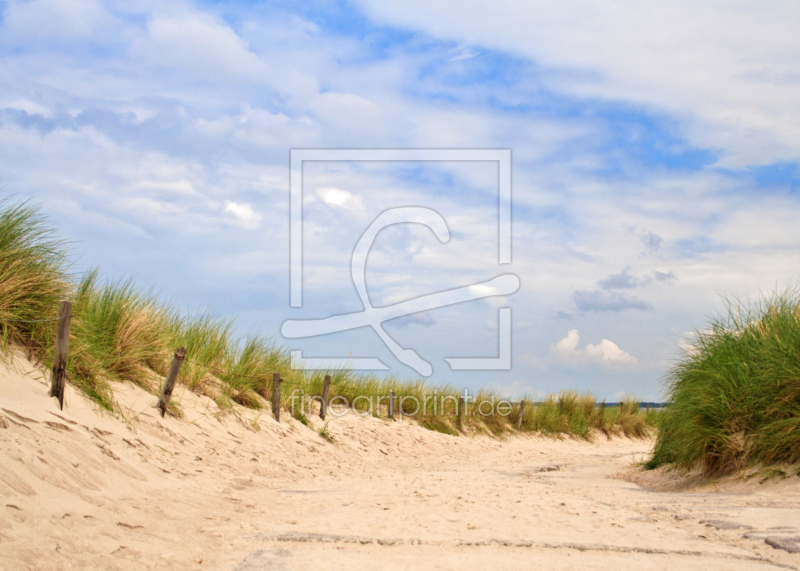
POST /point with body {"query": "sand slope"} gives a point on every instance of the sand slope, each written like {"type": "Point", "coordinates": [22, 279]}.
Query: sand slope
{"type": "Point", "coordinates": [82, 489]}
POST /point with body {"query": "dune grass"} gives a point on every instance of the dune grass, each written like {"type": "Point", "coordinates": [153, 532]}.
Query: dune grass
{"type": "Point", "coordinates": [736, 392]}
{"type": "Point", "coordinates": [117, 333]}
{"type": "Point", "coordinates": [207, 339]}
{"type": "Point", "coordinates": [571, 412]}
{"type": "Point", "coordinates": [32, 274]}
{"type": "Point", "coordinates": [122, 333]}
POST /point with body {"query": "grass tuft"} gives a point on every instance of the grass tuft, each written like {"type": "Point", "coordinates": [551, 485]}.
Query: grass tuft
{"type": "Point", "coordinates": [117, 333]}
{"type": "Point", "coordinates": [437, 424]}
{"type": "Point", "coordinates": [207, 339]}
{"type": "Point", "coordinates": [736, 392]}
{"type": "Point", "coordinates": [326, 434]}
{"type": "Point", "coordinates": [32, 276]}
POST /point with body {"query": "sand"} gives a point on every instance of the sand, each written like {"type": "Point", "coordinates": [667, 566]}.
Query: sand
{"type": "Point", "coordinates": [84, 489]}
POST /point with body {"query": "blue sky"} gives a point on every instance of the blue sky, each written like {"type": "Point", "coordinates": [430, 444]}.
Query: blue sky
{"type": "Point", "coordinates": [655, 165]}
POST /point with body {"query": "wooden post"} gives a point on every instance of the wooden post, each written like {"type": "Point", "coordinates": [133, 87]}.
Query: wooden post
{"type": "Point", "coordinates": [391, 405]}
{"type": "Point", "coordinates": [276, 396]}
{"type": "Point", "coordinates": [519, 418]}
{"type": "Point", "coordinates": [172, 376]}
{"type": "Point", "coordinates": [62, 347]}
{"type": "Point", "coordinates": [461, 407]}
{"type": "Point", "coordinates": [647, 408]}
{"type": "Point", "coordinates": [326, 390]}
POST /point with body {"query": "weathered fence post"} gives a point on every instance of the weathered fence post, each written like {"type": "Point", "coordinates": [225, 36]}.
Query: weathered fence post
{"type": "Point", "coordinates": [172, 376]}
{"type": "Point", "coordinates": [326, 390]}
{"type": "Point", "coordinates": [647, 408]}
{"type": "Point", "coordinates": [62, 347]}
{"type": "Point", "coordinates": [519, 417]}
{"type": "Point", "coordinates": [276, 396]}
{"type": "Point", "coordinates": [391, 405]}
{"type": "Point", "coordinates": [461, 407]}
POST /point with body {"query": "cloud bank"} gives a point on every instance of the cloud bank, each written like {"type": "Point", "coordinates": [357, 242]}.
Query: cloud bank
{"type": "Point", "coordinates": [605, 353]}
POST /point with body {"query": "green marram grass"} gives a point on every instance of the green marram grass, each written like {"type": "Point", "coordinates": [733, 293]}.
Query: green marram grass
{"type": "Point", "coordinates": [735, 395]}
{"type": "Point", "coordinates": [122, 333]}
{"type": "Point", "coordinates": [32, 275]}
{"type": "Point", "coordinates": [117, 333]}
{"type": "Point", "coordinates": [580, 414]}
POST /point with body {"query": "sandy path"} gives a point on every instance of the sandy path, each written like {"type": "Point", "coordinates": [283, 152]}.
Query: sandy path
{"type": "Point", "coordinates": [83, 490]}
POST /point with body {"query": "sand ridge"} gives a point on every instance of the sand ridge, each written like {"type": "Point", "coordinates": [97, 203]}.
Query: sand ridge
{"type": "Point", "coordinates": [84, 489]}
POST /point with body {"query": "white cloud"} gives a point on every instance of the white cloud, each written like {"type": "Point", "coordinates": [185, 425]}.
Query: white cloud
{"type": "Point", "coordinates": [727, 70]}
{"type": "Point", "coordinates": [244, 213]}
{"type": "Point", "coordinates": [340, 198]}
{"type": "Point", "coordinates": [605, 353]}
{"type": "Point", "coordinates": [202, 45]}
{"type": "Point", "coordinates": [567, 345]}
{"type": "Point", "coordinates": [55, 19]}
{"type": "Point", "coordinates": [26, 105]}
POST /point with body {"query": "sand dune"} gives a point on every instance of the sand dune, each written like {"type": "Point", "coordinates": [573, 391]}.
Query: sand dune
{"type": "Point", "coordinates": [83, 489]}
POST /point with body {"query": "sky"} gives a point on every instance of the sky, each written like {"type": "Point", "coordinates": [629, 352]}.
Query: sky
{"type": "Point", "coordinates": [655, 167]}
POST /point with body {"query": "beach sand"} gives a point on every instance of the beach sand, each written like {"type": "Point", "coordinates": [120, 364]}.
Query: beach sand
{"type": "Point", "coordinates": [84, 489]}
